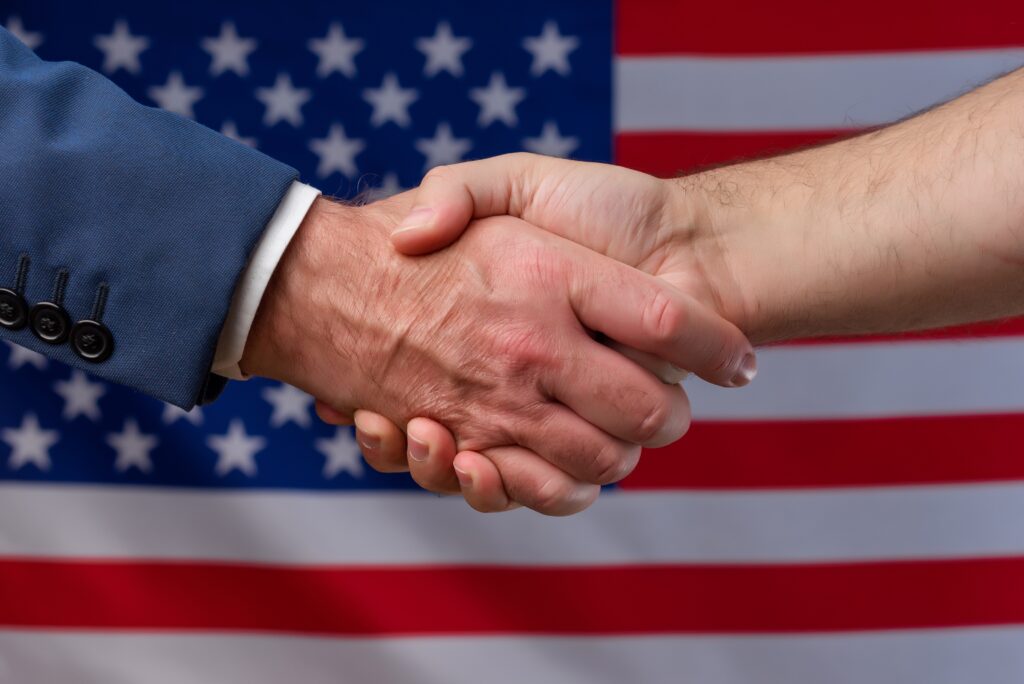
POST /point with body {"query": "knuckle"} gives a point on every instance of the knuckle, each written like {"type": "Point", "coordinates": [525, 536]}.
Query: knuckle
{"type": "Point", "coordinates": [664, 318]}
{"type": "Point", "coordinates": [516, 160]}
{"type": "Point", "coordinates": [555, 496]}
{"type": "Point", "coordinates": [439, 174]}
{"type": "Point", "coordinates": [520, 350]}
{"type": "Point", "coordinates": [524, 161]}
{"type": "Point", "coordinates": [537, 265]}
{"type": "Point", "coordinates": [614, 462]}
{"type": "Point", "coordinates": [720, 357]}
{"type": "Point", "coordinates": [654, 422]}
{"type": "Point", "coordinates": [665, 420]}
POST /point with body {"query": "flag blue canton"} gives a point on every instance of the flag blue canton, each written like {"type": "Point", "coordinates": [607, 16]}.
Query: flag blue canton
{"type": "Point", "coordinates": [362, 100]}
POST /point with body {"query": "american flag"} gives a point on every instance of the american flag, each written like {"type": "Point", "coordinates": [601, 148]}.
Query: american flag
{"type": "Point", "coordinates": [856, 515]}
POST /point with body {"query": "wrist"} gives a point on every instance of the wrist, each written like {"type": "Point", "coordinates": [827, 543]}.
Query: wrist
{"type": "Point", "coordinates": [286, 319]}
{"type": "Point", "coordinates": [747, 246]}
{"type": "Point", "coordinates": [320, 318]}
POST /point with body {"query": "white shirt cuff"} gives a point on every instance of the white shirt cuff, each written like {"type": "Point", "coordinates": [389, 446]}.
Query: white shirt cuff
{"type": "Point", "coordinates": [253, 283]}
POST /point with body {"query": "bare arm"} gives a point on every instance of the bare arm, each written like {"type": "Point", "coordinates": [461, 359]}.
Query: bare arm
{"type": "Point", "coordinates": [917, 225]}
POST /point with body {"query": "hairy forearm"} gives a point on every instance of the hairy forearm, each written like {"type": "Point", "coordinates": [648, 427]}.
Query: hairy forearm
{"type": "Point", "coordinates": [917, 225]}
{"type": "Point", "coordinates": [285, 337]}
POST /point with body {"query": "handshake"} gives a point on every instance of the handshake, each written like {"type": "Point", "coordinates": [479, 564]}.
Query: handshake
{"type": "Point", "coordinates": [534, 357]}
{"type": "Point", "coordinates": [515, 329]}
{"type": "Point", "coordinates": [526, 321]}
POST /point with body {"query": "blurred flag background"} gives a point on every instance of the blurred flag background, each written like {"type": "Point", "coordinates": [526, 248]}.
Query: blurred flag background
{"type": "Point", "coordinates": [856, 515]}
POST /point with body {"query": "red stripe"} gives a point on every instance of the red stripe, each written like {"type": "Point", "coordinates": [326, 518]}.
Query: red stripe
{"type": "Point", "coordinates": [653, 27]}
{"type": "Point", "coordinates": [1011, 327]}
{"type": "Point", "coordinates": [668, 154]}
{"type": "Point", "coordinates": [487, 600]}
{"type": "Point", "coordinates": [837, 453]}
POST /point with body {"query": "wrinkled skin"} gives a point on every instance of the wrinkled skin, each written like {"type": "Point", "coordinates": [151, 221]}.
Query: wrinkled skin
{"type": "Point", "coordinates": [490, 337]}
{"type": "Point", "coordinates": [661, 227]}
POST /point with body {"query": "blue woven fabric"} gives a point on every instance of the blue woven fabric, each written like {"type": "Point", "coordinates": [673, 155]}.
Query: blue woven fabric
{"type": "Point", "coordinates": [163, 209]}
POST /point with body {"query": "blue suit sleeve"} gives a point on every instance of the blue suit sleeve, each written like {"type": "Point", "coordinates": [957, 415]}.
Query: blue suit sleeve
{"type": "Point", "coordinates": [157, 210]}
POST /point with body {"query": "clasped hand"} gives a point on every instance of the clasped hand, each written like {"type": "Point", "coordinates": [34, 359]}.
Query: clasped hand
{"type": "Point", "coordinates": [528, 369]}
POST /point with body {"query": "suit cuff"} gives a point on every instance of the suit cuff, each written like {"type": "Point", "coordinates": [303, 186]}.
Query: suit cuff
{"type": "Point", "coordinates": [253, 282]}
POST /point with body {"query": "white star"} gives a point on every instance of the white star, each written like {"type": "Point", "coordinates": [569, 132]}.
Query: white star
{"type": "Point", "coordinates": [20, 356]}
{"type": "Point", "coordinates": [337, 152]}
{"type": "Point", "coordinates": [121, 49]}
{"type": "Point", "coordinates": [289, 404]}
{"type": "Point", "coordinates": [132, 447]}
{"type": "Point", "coordinates": [230, 52]}
{"type": "Point", "coordinates": [443, 148]}
{"type": "Point", "coordinates": [231, 130]}
{"type": "Point", "coordinates": [81, 397]}
{"type": "Point", "coordinates": [30, 444]}
{"type": "Point", "coordinates": [390, 102]}
{"type": "Point", "coordinates": [444, 51]}
{"type": "Point", "coordinates": [389, 187]}
{"type": "Point", "coordinates": [336, 52]}
{"type": "Point", "coordinates": [550, 50]}
{"type": "Point", "coordinates": [283, 102]}
{"type": "Point", "coordinates": [497, 101]}
{"type": "Point", "coordinates": [551, 142]}
{"type": "Point", "coordinates": [175, 96]}
{"type": "Point", "coordinates": [173, 413]}
{"type": "Point", "coordinates": [342, 454]}
{"type": "Point", "coordinates": [31, 40]}
{"type": "Point", "coordinates": [236, 450]}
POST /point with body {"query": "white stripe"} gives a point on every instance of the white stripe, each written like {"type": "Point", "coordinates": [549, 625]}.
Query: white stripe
{"type": "Point", "coordinates": [991, 655]}
{"type": "Point", "coordinates": [622, 528]}
{"type": "Point", "coordinates": [794, 93]}
{"type": "Point", "coordinates": [874, 380]}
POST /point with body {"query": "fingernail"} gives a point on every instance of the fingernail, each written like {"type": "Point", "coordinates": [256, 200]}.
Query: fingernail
{"type": "Point", "coordinates": [465, 479]}
{"type": "Point", "coordinates": [418, 451]}
{"type": "Point", "coordinates": [747, 371]}
{"type": "Point", "coordinates": [367, 442]}
{"type": "Point", "coordinates": [421, 217]}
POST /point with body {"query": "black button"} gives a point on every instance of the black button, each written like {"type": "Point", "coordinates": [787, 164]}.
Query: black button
{"type": "Point", "coordinates": [50, 322]}
{"type": "Point", "coordinates": [92, 341]}
{"type": "Point", "coordinates": [13, 310]}
{"type": "Point", "coordinates": [212, 388]}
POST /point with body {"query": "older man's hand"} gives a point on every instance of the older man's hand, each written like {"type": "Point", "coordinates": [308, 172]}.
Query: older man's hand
{"type": "Point", "coordinates": [657, 226]}
{"type": "Point", "coordinates": [493, 337]}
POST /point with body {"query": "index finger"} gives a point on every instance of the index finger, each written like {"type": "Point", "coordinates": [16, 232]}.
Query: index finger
{"type": "Point", "coordinates": [650, 315]}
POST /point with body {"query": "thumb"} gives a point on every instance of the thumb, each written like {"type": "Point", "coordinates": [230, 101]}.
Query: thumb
{"type": "Point", "coordinates": [451, 196]}
{"type": "Point", "coordinates": [430, 227]}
